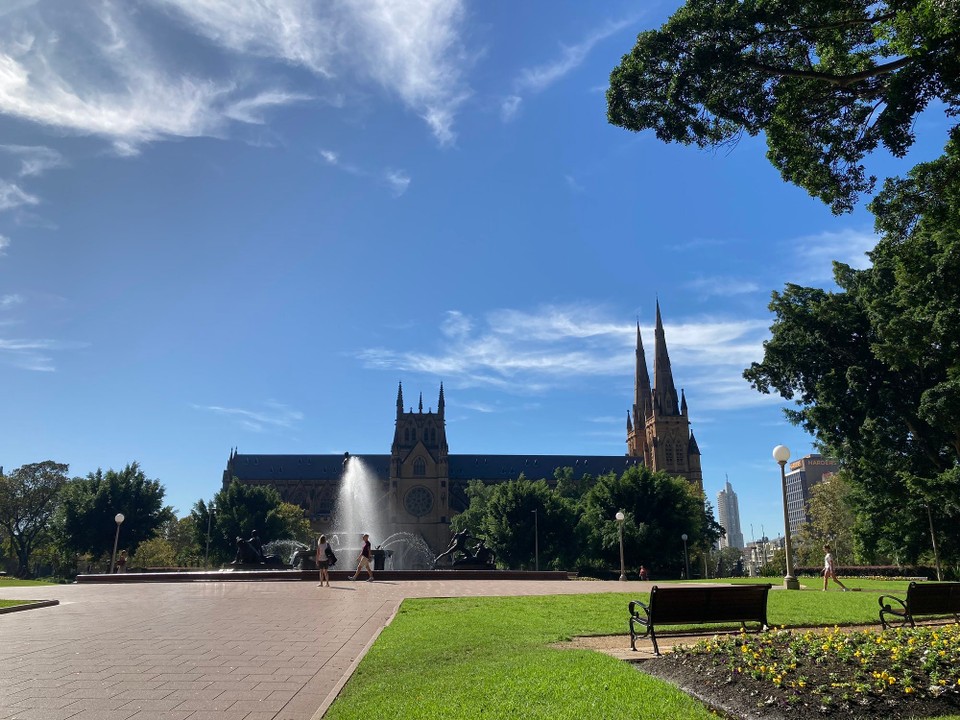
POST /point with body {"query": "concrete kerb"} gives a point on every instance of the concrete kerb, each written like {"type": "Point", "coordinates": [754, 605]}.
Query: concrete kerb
{"type": "Point", "coordinates": [29, 605]}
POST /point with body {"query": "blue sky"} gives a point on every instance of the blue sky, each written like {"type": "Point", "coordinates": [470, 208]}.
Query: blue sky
{"type": "Point", "coordinates": [227, 223]}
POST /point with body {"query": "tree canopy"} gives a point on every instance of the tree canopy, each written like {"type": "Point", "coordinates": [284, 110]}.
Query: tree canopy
{"type": "Point", "coordinates": [828, 82]}
{"type": "Point", "coordinates": [29, 496]}
{"type": "Point", "coordinates": [91, 503]}
{"type": "Point", "coordinates": [875, 367]}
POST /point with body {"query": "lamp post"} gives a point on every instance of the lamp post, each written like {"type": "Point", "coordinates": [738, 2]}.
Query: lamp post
{"type": "Point", "coordinates": [536, 540]}
{"type": "Point", "coordinates": [781, 453]}
{"type": "Point", "coordinates": [623, 568]}
{"type": "Point", "coordinates": [118, 519]}
{"type": "Point", "coordinates": [211, 509]}
{"type": "Point", "coordinates": [686, 559]}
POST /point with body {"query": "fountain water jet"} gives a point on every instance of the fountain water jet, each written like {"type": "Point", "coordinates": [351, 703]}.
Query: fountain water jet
{"type": "Point", "coordinates": [360, 505]}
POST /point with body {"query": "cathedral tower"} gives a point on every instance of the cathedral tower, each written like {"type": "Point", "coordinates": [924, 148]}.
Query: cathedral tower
{"type": "Point", "coordinates": [658, 430]}
{"type": "Point", "coordinates": [419, 472]}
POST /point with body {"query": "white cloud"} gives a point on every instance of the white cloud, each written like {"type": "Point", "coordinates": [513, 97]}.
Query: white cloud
{"type": "Point", "coordinates": [539, 78]}
{"type": "Point", "coordinates": [4, 244]}
{"type": "Point", "coordinates": [722, 286]}
{"type": "Point", "coordinates": [33, 354]}
{"type": "Point", "coordinates": [528, 352]}
{"type": "Point", "coordinates": [9, 301]}
{"type": "Point", "coordinates": [274, 416]}
{"type": "Point", "coordinates": [398, 181]}
{"type": "Point", "coordinates": [814, 254]}
{"type": "Point", "coordinates": [412, 50]}
{"type": "Point", "coordinates": [34, 160]}
{"type": "Point", "coordinates": [509, 107]}
{"type": "Point", "coordinates": [11, 196]}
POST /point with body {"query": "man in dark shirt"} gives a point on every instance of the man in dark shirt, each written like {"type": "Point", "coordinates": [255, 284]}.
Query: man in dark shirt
{"type": "Point", "coordinates": [363, 562]}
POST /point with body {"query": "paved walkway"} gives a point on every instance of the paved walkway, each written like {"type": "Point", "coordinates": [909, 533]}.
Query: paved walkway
{"type": "Point", "coordinates": [208, 651]}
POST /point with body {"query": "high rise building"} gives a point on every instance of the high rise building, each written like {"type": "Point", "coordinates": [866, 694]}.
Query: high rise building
{"type": "Point", "coordinates": [729, 510]}
{"type": "Point", "coordinates": [804, 474]}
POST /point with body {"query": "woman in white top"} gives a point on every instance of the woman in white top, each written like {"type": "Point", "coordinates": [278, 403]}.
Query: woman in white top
{"type": "Point", "coordinates": [829, 571]}
{"type": "Point", "coordinates": [322, 563]}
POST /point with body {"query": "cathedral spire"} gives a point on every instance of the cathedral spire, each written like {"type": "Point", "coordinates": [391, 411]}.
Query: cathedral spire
{"type": "Point", "coordinates": [440, 404]}
{"type": "Point", "coordinates": [664, 391]}
{"type": "Point", "coordinates": [421, 402]}
{"type": "Point", "coordinates": [641, 385]}
{"type": "Point", "coordinates": [399, 399]}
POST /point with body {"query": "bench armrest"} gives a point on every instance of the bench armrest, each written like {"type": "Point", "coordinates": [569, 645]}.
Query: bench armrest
{"type": "Point", "coordinates": [887, 609]}
{"type": "Point", "coordinates": [635, 607]}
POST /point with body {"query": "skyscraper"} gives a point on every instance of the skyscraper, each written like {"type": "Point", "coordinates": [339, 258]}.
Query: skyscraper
{"type": "Point", "coordinates": [729, 511]}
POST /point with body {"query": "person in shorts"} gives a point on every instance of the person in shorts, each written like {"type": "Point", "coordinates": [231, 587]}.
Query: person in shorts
{"type": "Point", "coordinates": [323, 562]}
{"type": "Point", "coordinates": [363, 561]}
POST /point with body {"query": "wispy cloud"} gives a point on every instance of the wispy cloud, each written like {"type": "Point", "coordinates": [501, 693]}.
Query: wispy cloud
{"type": "Point", "coordinates": [273, 416]}
{"type": "Point", "coordinates": [814, 254]}
{"type": "Point", "coordinates": [525, 352]}
{"type": "Point", "coordinates": [9, 301]}
{"type": "Point", "coordinates": [34, 160]}
{"type": "Point", "coordinates": [11, 196]}
{"type": "Point", "coordinates": [722, 286]}
{"type": "Point", "coordinates": [536, 79]}
{"type": "Point", "coordinates": [4, 244]}
{"type": "Point", "coordinates": [33, 354]}
{"type": "Point", "coordinates": [413, 51]}
{"type": "Point", "coordinates": [101, 70]}
{"type": "Point", "coordinates": [396, 180]}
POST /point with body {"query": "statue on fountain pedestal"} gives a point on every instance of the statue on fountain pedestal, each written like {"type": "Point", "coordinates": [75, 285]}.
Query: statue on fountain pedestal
{"type": "Point", "coordinates": [480, 557]}
{"type": "Point", "coordinates": [250, 553]}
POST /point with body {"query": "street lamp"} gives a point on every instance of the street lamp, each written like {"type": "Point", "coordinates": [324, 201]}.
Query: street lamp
{"type": "Point", "coordinates": [118, 518]}
{"type": "Point", "coordinates": [686, 559]}
{"type": "Point", "coordinates": [536, 540]}
{"type": "Point", "coordinates": [211, 509]}
{"type": "Point", "coordinates": [623, 568]}
{"type": "Point", "coordinates": [781, 453]}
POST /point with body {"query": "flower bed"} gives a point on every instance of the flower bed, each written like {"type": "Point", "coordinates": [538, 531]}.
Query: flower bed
{"type": "Point", "coordinates": [907, 672]}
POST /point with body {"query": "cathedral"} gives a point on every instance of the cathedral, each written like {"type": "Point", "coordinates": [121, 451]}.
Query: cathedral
{"type": "Point", "coordinates": [424, 485]}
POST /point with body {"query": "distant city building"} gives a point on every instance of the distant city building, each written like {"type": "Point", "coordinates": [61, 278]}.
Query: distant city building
{"type": "Point", "coordinates": [804, 474]}
{"type": "Point", "coordinates": [423, 484]}
{"type": "Point", "coordinates": [729, 510]}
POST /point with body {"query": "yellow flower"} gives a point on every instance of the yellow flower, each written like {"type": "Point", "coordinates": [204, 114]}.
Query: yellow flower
{"type": "Point", "coordinates": [908, 690]}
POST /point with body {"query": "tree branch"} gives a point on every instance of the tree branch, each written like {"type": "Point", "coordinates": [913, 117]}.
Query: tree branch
{"type": "Point", "coordinates": [838, 80]}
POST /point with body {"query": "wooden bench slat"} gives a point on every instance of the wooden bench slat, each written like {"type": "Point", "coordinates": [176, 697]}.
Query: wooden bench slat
{"type": "Point", "coordinates": [922, 599]}
{"type": "Point", "coordinates": [687, 605]}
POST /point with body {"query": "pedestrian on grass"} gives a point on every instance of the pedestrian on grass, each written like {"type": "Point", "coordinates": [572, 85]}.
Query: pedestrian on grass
{"type": "Point", "coordinates": [122, 562]}
{"type": "Point", "coordinates": [363, 561]}
{"type": "Point", "coordinates": [829, 571]}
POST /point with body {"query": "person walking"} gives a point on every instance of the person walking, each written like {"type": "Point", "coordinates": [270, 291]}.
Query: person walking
{"type": "Point", "coordinates": [323, 560]}
{"type": "Point", "coordinates": [363, 561]}
{"type": "Point", "coordinates": [122, 562]}
{"type": "Point", "coordinates": [829, 571]}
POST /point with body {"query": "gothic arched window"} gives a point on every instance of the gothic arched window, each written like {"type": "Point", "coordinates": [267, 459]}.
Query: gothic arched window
{"type": "Point", "coordinates": [419, 467]}
{"type": "Point", "coordinates": [668, 451]}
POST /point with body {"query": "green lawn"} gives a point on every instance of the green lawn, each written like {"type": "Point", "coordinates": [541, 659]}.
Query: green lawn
{"type": "Point", "coordinates": [16, 582]}
{"type": "Point", "coordinates": [491, 657]}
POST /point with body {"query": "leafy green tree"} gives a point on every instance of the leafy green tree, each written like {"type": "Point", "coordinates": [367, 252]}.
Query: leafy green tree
{"type": "Point", "coordinates": [658, 509]}
{"type": "Point", "coordinates": [728, 560]}
{"type": "Point", "coordinates": [832, 521]}
{"type": "Point", "coordinates": [29, 496]}
{"type": "Point", "coordinates": [827, 82]}
{"type": "Point", "coordinates": [875, 367]}
{"type": "Point", "coordinates": [241, 509]}
{"type": "Point", "coordinates": [91, 503]}
{"type": "Point", "coordinates": [519, 517]}
{"type": "Point", "coordinates": [155, 552]}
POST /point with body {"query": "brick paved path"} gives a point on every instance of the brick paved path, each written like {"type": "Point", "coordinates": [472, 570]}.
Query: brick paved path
{"type": "Point", "coordinates": [207, 651]}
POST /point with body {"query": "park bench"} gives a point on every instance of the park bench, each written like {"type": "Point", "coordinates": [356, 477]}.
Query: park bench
{"type": "Point", "coordinates": [922, 599]}
{"type": "Point", "coordinates": [692, 605]}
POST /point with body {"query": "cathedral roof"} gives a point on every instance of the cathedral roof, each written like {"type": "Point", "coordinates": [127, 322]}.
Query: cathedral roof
{"type": "Point", "coordinates": [252, 468]}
